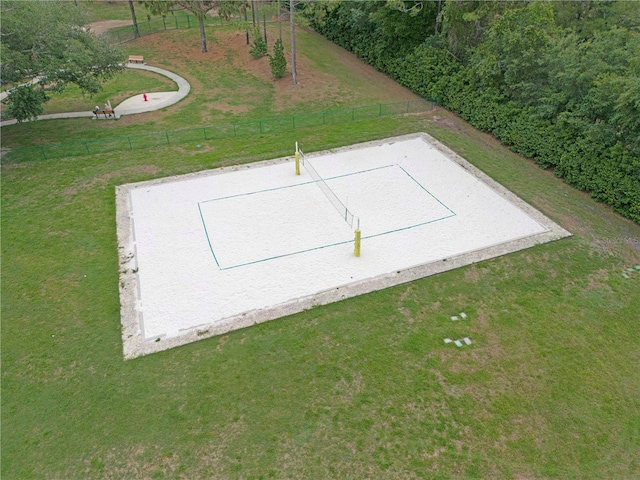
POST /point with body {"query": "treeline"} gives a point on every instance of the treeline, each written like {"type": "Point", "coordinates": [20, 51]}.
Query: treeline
{"type": "Point", "coordinates": [556, 81]}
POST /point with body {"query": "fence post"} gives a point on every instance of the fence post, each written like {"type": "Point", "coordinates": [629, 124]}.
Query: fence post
{"type": "Point", "coordinates": [421, 106]}
{"type": "Point", "coordinates": [176, 21]}
{"type": "Point", "coordinates": [188, 21]}
{"type": "Point", "coordinates": [164, 22]}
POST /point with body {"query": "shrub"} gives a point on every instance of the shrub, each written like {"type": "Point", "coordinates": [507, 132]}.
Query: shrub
{"type": "Point", "coordinates": [259, 48]}
{"type": "Point", "coordinates": [277, 61]}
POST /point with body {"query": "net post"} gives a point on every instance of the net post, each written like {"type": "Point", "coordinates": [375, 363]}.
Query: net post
{"type": "Point", "coordinates": [297, 160]}
{"type": "Point", "coordinates": [358, 238]}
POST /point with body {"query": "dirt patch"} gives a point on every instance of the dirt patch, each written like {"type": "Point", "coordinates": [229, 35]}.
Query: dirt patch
{"type": "Point", "coordinates": [229, 50]}
{"type": "Point", "coordinates": [203, 148]}
{"type": "Point", "coordinates": [447, 122]}
{"type": "Point", "coordinates": [98, 28]}
{"type": "Point", "coordinates": [472, 274]}
{"type": "Point", "coordinates": [406, 313]}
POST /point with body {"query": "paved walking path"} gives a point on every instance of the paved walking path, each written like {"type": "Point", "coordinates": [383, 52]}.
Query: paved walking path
{"type": "Point", "coordinates": [135, 104]}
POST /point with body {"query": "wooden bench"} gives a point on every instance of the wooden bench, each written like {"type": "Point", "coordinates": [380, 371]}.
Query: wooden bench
{"type": "Point", "coordinates": [136, 59]}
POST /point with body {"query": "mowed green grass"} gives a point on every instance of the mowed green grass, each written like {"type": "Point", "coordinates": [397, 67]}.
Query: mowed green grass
{"type": "Point", "coordinates": [101, 10]}
{"type": "Point", "coordinates": [363, 388]}
{"type": "Point", "coordinates": [125, 85]}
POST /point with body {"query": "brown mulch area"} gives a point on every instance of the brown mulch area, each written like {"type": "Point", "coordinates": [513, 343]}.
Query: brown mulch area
{"type": "Point", "coordinates": [311, 84]}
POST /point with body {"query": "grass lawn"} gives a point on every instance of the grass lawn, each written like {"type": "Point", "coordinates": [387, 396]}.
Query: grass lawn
{"type": "Point", "coordinates": [363, 388]}
{"type": "Point", "coordinates": [101, 10]}
{"type": "Point", "coordinates": [125, 85]}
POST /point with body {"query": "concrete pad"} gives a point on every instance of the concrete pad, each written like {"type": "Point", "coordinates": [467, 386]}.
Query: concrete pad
{"type": "Point", "coordinates": [135, 104]}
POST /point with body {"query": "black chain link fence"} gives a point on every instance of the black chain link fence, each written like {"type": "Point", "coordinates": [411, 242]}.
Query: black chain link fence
{"type": "Point", "coordinates": [202, 135]}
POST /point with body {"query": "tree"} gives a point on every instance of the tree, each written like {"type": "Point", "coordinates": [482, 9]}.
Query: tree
{"type": "Point", "coordinates": [464, 23]}
{"type": "Point", "coordinates": [588, 17]}
{"type": "Point", "coordinates": [136, 32]}
{"type": "Point", "coordinates": [44, 42]}
{"type": "Point", "coordinates": [294, 71]}
{"type": "Point", "coordinates": [26, 102]}
{"type": "Point", "coordinates": [199, 8]}
{"type": "Point", "coordinates": [407, 23]}
{"type": "Point", "coordinates": [277, 61]}
{"type": "Point", "coordinates": [512, 56]}
{"type": "Point", "coordinates": [259, 48]}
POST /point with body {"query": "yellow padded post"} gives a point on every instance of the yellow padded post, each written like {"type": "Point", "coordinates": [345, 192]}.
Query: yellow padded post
{"type": "Point", "coordinates": [356, 250]}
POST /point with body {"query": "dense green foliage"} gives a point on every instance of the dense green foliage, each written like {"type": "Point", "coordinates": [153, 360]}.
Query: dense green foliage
{"type": "Point", "coordinates": [47, 40]}
{"type": "Point", "coordinates": [277, 61]}
{"type": "Point", "coordinates": [555, 81]}
{"type": "Point", "coordinates": [26, 101]}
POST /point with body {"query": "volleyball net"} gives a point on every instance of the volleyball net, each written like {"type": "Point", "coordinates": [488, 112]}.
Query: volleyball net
{"type": "Point", "coordinates": [332, 197]}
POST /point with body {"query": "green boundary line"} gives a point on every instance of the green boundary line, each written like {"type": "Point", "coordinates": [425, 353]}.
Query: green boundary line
{"type": "Point", "coordinates": [321, 246]}
{"type": "Point", "coordinates": [423, 187]}
{"type": "Point", "coordinates": [206, 232]}
{"type": "Point", "coordinates": [294, 185]}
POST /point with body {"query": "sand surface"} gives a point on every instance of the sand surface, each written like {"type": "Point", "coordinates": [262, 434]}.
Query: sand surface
{"type": "Point", "coordinates": [227, 248]}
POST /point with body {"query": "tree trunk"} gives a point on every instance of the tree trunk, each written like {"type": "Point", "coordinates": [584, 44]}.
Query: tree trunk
{"type": "Point", "coordinates": [136, 32]}
{"type": "Point", "coordinates": [264, 23]}
{"type": "Point", "coordinates": [280, 21]}
{"type": "Point", "coordinates": [203, 37]}
{"type": "Point", "coordinates": [293, 43]}
{"type": "Point", "coordinates": [246, 23]}
{"type": "Point", "coordinates": [253, 14]}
